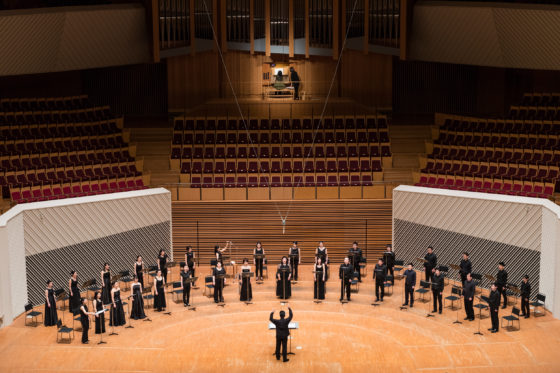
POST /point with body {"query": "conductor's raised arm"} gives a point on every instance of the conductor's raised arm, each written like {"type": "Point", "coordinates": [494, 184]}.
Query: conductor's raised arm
{"type": "Point", "coordinates": [291, 315]}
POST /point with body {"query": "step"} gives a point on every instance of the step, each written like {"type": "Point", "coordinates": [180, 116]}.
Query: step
{"type": "Point", "coordinates": [164, 178]}
{"type": "Point", "coordinates": [406, 160]}
{"type": "Point", "coordinates": [398, 175]}
{"type": "Point", "coordinates": [408, 145]}
{"type": "Point", "coordinates": [156, 163]}
{"type": "Point", "coordinates": [149, 148]}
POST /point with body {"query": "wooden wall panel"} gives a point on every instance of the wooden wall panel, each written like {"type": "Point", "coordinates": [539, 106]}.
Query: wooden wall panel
{"type": "Point", "coordinates": [338, 223]}
{"type": "Point", "coordinates": [192, 80]}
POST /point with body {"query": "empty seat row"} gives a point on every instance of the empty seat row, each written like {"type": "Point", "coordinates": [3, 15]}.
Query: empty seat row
{"type": "Point", "coordinates": [285, 137]}
{"type": "Point", "coordinates": [541, 99]}
{"type": "Point", "coordinates": [55, 116]}
{"type": "Point", "coordinates": [281, 181]}
{"type": "Point", "coordinates": [535, 112]}
{"type": "Point", "coordinates": [247, 151]}
{"type": "Point", "coordinates": [488, 185]}
{"type": "Point", "coordinates": [499, 126]}
{"type": "Point", "coordinates": [69, 144]}
{"type": "Point", "coordinates": [55, 159]}
{"type": "Point", "coordinates": [234, 124]}
{"type": "Point", "coordinates": [498, 154]}
{"type": "Point", "coordinates": [503, 170]}
{"type": "Point", "coordinates": [499, 139]}
{"type": "Point", "coordinates": [264, 166]}
{"type": "Point", "coordinates": [79, 189]}
{"type": "Point", "coordinates": [44, 131]}
{"type": "Point", "coordinates": [43, 103]}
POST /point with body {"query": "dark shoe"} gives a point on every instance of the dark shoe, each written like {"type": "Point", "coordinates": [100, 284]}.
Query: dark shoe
{"type": "Point", "coordinates": [471, 319]}
{"type": "Point", "coordinates": [86, 342]}
{"type": "Point", "coordinates": [382, 299]}
{"type": "Point", "coordinates": [466, 318]}
{"type": "Point", "coordinates": [277, 357]}
{"type": "Point", "coordinates": [493, 331]}
{"type": "Point", "coordinates": [434, 311]}
{"type": "Point", "coordinates": [490, 329]}
{"type": "Point", "coordinates": [440, 311]}
{"type": "Point", "coordinates": [405, 304]}
{"type": "Point", "coordinates": [523, 314]}
{"type": "Point", "coordinates": [411, 306]}
{"type": "Point", "coordinates": [504, 307]}
{"type": "Point", "coordinates": [185, 305]}
{"type": "Point", "coordinates": [527, 316]}
{"type": "Point", "coordinates": [286, 360]}
{"type": "Point", "coordinates": [340, 300]}
{"type": "Point", "coordinates": [377, 300]}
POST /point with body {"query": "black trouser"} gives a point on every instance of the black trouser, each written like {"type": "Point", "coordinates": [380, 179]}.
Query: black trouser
{"type": "Point", "coordinates": [218, 291]}
{"type": "Point", "coordinates": [284, 342]}
{"type": "Point", "coordinates": [469, 310]}
{"type": "Point", "coordinates": [379, 285]}
{"type": "Point", "coordinates": [164, 273]}
{"type": "Point", "coordinates": [294, 262]}
{"type": "Point", "coordinates": [408, 292]}
{"type": "Point", "coordinates": [463, 278]}
{"type": "Point", "coordinates": [296, 90]}
{"type": "Point", "coordinates": [191, 269]}
{"type": "Point", "coordinates": [259, 268]}
{"type": "Point", "coordinates": [438, 298]}
{"type": "Point", "coordinates": [345, 286]}
{"type": "Point", "coordinates": [495, 318]}
{"type": "Point", "coordinates": [502, 290]}
{"type": "Point", "coordinates": [186, 294]}
{"type": "Point", "coordinates": [85, 329]}
{"type": "Point", "coordinates": [428, 271]}
{"type": "Point", "coordinates": [392, 271]}
{"type": "Point", "coordinates": [525, 306]}
{"type": "Point", "coordinates": [357, 268]}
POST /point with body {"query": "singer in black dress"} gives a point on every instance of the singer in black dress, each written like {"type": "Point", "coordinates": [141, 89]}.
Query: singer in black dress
{"type": "Point", "coordinates": [162, 263]}
{"type": "Point", "coordinates": [283, 277]}
{"type": "Point", "coordinates": [322, 253]}
{"type": "Point", "coordinates": [319, 280]}
{"type": "Point", "coordinates": [246, 294]}
{"type": "Point", "coordinates": [99, 319]}
{"type": "Point", "coordinates": [294, 260]}
{"type": "Point", "coordinates": [51, 318]}
{"type": "Point", "coordinates": [258, 262]}
{"type": "Point", "coordinates": [186, 274]}
{"type": "Point", "coordinates": [218, 282]}
{"type": "Point", "coordinates": [159, 292]}
{"type": "Point", "coordinates": [75, 298]}
{"type": "Point", "coordinates": [84, 319]}
{"type": "Point", "coordinates": [189, 259]}
{"type": "Point", "coordinates": [137, 311]}
{"type": "Point", "coordinates": [106, 284]}
{"type": "Point", "coordinates": [117, 310]}
{"type": "Point", "coordinates": [139, 270]}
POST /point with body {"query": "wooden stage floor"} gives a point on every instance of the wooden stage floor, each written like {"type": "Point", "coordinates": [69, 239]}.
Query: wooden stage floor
{"type": "Point", "coordinates": [354, 337]}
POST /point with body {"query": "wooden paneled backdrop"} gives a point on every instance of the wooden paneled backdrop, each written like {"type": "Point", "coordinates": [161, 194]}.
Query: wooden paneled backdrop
{"type": "Point", "coordinates": [193, 80]}
{"type": "Point", "coordinates": [338, 223]}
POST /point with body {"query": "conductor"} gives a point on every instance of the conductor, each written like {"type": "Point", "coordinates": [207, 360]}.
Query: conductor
{"type": "Point", "coordinates": [282, 333]}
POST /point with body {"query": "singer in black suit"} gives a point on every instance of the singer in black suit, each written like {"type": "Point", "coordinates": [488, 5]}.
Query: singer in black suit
{"type": "Point", "coordinates": [345, 275]}
{"type": "Point", "coordinates": [525, 295]}
{"type": "Point", "coordinates": [468, 297]}
{"type": "Point", "coordinates": [409, 284]}
{"type": "Point", "coordinates": [430, 264]}
{"type": "Point", "coordinates": [380, 275]}
{"type": "Point", "coordinates": [466, 267]}
{"type": "Point", "coordinates": [282, 333]}
{"type": "Point", "coordinates": [494, 304]}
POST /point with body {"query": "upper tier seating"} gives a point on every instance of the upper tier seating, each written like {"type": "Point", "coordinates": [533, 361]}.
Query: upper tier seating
{"type": "Point", "coordinates": [231, 153]}
{"type": "Point", "coordinates": [519, 155]}
{"type": "Point", "coordinates": [62, 147]}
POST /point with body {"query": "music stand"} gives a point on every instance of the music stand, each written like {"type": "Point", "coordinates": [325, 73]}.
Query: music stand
{"type": "Point", "coordinates": [167, 284]}
{"type": "Point", "coordinates": [283, 271]}
{"type": "Point", "coordinates": [481, 298]}
{"type": "Point", "coordinates": [294, 257]}
{"type": "Point", "coordinates": [512, 290]}
{"type": "Point", "coordinates": [243, 276]}
{"type": "Point", "coordinates": [101, 341]}
{"type": "Point", "coordinates": [291, 326]}
{"type": "Point", "coordinates": [149, 295]}
{"type": "Point", "coordinates": [257, 257]}
{"type": "Point", "coordinates": [192, 281]}
{"type": "Point", "coordinates": [458, 269]}
{"type": "Point", "coordinates": [59, 295]}
{"type": "Point", "coordinates": [458, 291]}
{"type": "Point", "coordinates": [427, 285]}
{"type": "Point", "coordinates": [222, 279]}
{"type": "Point", "coordinates": [129, 325]}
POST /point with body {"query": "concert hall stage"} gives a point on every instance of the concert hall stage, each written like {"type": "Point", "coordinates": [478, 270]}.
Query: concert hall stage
{"type": "Point", "coordinates": [354, 337]}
